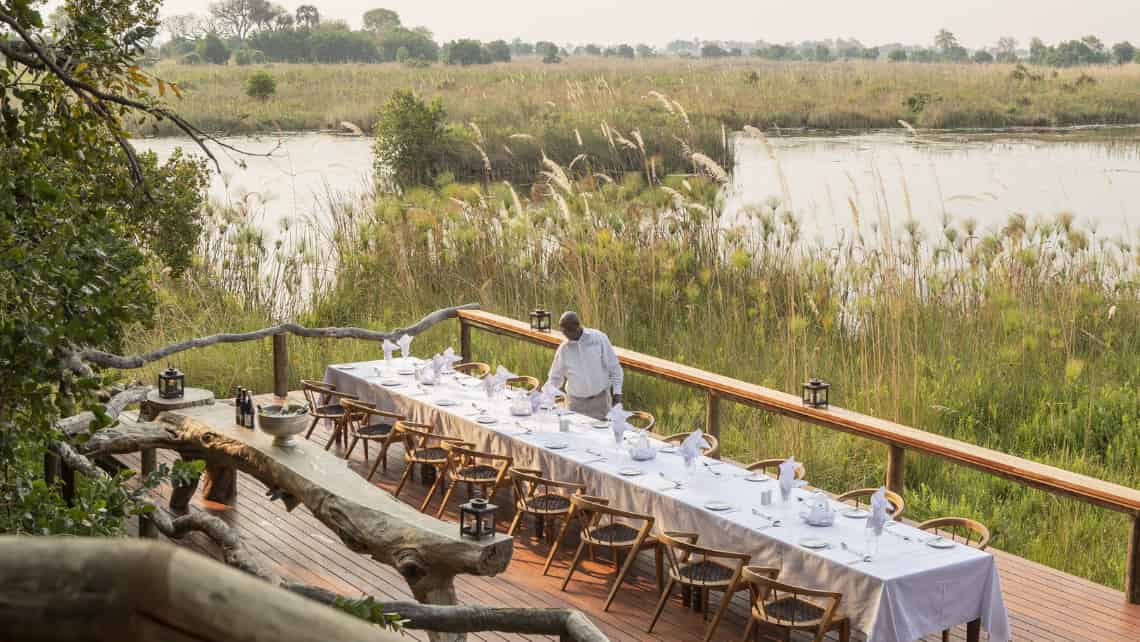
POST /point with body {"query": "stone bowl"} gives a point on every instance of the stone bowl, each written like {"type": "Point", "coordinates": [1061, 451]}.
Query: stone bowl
{"type": "Point", "coordinates": [283, 428]}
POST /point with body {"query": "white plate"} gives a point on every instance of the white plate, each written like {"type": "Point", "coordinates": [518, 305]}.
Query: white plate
{"type": "Point", "coordinates": [856, 513]}
{"type": "Point", "coordinates": [446, 402]}
{"type": "Point", "coordinates": [391, 383]}
{"type": "Point", "coordinates": [600, 424]}
{"type": "Point", "coordinates": [668, 450]}
{"type": "Point", "coordinates": [555, 445]}
{"type": "Point", "coordinates": [715, 505]}
{"type": "Point", "coordinates": [486, 419]}
{"type": "Point", "coordinates": [940, 542]}
{"type": "Point", "coordinates": [757, 477]}
{"type": "Point", "coordinates": [406, 371]}
{"type": "Point", "coordinates": [630, 471]}
{"type": "Point", "coordinates": [813, 543]}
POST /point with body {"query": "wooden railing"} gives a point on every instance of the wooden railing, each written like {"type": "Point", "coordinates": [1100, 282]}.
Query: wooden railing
{"type": "Point", "coordinates": [898, 438]}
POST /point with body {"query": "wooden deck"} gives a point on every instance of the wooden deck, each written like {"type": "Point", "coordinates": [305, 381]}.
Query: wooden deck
{"type": "Point", "coordinates": [1044, 604]}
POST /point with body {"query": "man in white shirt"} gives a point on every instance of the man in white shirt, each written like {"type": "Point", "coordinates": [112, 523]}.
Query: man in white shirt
{"type": "Point", "coordinates": [588, 365]}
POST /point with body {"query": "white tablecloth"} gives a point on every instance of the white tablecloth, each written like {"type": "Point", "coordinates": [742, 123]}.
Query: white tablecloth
{"type": "Point", "coordinates": [907, 591]}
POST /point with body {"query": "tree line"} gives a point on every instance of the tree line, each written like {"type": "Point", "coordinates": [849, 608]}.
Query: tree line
{"type": "Point", "coordinates": [254, 31]}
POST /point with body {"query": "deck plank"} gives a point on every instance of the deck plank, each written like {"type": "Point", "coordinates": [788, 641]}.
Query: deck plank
{"type": "Point", "coordinates": [1044, 604]}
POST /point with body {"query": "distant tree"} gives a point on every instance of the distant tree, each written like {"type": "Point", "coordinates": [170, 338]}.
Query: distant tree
{"type": "Point", "coordinates": [424, 31]}
{"type": "Point", "coordinates": [464, 52]}
{"type": "Point", "coordinates": [621, 51]}
{"type": "Point", "coordinates": [308, 17]}
{"type": "Point", "coordinates": [982, 56]}
{"type": "Point", "coordinates": [211, 49]}
{"type": "Point", "coordinates": [1123, 52]}
{"type": "Point", "coordinates": [186, 26]}
{"type": "Point", "coordinates": [712, 50]}
{"type": "Point", "coordinates": [822, 53]}
{"type": "Point", "coordinates": [645, 51]}
{"type": "Point", "coordinates": [945, 40]}
{"type": "Point", "coordinates": [381, 20]}
{"type": "Point", "coordinates": [1007, 49]}
{"type": "Point", "coordinates": [545, 47]}
{"type": "Point", "coordinates": [265, 15]}
{"type": "Point", "coordinates": [236, 18]}
{"type": "Point", "coordinates": [284, 22]}
{"type": "Point", "coordinates": [410, 138]}
{"type": "Point", "coordinates": [897, 55]}
{"type": "Point", "coordinates": [957, 53]}
{"type": "Point", "coordinates": [283, 45]}
{"type": "Point", "coordinates": [551, 57]}
{"type": "Point", "coordinates": [520, 48]}
{"type": "Point", "coordinates": [497, 51]}
{"type": "Point", "coordinates": [871, 53]}
{"type": "Point", "coordinates": [1038, 51]}
{"type": "Point", "coordinates": [678, 47]}
{"type": "Point", "coordinates": [415, 45]}
{"type": "Point", "coordinates": [922, 55]}
{"type": "Point", "coordinates": [592, 50]}
{"type": "Point", "coordinates": [338, 45]}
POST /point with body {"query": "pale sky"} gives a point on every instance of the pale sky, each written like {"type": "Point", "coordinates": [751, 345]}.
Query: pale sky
{"type": "Point", "coordinates": [977, 23]}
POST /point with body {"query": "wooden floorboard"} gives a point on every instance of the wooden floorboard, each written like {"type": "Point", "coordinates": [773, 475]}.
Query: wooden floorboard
{"type": "Point", "coordinates": [1044, 604]}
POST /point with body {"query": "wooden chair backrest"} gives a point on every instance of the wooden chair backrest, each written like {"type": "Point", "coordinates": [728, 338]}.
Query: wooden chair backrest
{"type": "Point", "coordinates": [529, 482]}
{"type": "Point", "coordinates": [682, 548]}
{"type": "Point", "coordinates": [318, 393]}
{"type": "Point", "coordinates": [714, 444]}
{"type": "Point", "coordinates": [766, 589]}
{"type": "Point", "coordinates": [772, 467]}
{"type": "Point", "coordinates": [596, 511]}
{"type": "Point", "coordinates": [473, 369]}
{"type": "Point", "coordinates": [524, 382]}
{"type": "Point", "coordinates": [358, 413]}
{"type": "Point", "coordinates": [959, 529]}
{"type": "Point", "coordinates": [642, 420]}
{"type": "Point", "coordinates": [461, 455]}
{"type": "Point", "coordinates": [862, 497]}
{"type": "Point", "coordinates": [417, 436]}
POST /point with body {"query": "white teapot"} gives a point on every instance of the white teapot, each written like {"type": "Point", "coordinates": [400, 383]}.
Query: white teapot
{"type": "Point", "coordinates": [820, 512]}
{"type": "Point", "coordinates": [642, 450]}
{"type": "Point", "coordinates": [520, 404]}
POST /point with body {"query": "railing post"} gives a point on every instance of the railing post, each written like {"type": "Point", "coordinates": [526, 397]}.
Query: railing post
{"type": "Point", "coordinates": [148, 465]}
{"type": "Point", "coordinates": [1132, 568]}
{"type": "Point", "coordinates": [896, 466]}
{"type": "Point", "coordinates": [712, 414]}
{"type": "Point", "coordinates": [464, 340]}
{"type": "Point", "coordinates": [280, 365]}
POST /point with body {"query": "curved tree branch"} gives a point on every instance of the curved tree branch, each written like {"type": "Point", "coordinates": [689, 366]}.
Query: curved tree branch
{"type": "Point", "coordinates": [108, 360]}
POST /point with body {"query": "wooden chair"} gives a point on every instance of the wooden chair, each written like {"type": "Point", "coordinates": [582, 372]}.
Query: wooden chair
{"type": "Point", "coordinates": [642, 420]}
{"type": "Point", "coordinates": [365, 423]}
{"type": "Point", "coordinates": [324, 403]}
{"type": "Point", "coordinates": [772, 467]}
{"type": "Point", "coordinates": [541, 497]}
{"type": "Point", "coordinates": [714, 444]}
{"type": "Point", "coordinates": [962, 530]}
{"type": "Point", "coordinates": [601, 527]}
{"type": "Point", "coordinates": [481, 470]}
{"type": "Point", "coordinates": [700, 570]}
{"type": "Point", "coordinates": [473, 369]}
{"type": "Point", "coordinates": [788, 608]}
{"type": "Point", "coordinates": [862, 497]}
{"type": "Point", "coordinates": [422, 446]}
{"type": "Point", "coordinates": [523, 382]}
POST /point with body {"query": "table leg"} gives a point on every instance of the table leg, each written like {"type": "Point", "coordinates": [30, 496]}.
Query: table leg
{"type": "Point", "coordinates": [974, 630]}
{"type": "Point", "coordinates": [220, 484]}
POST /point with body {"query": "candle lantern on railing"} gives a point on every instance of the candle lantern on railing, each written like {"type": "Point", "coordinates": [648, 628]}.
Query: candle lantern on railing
{"type": "Point", "coordinates": [540, 320]}
{"type": "Point", "coordinates": [477, 519]}
{"type": "Point", "coordinates": [815, 392]}
{"type": "Point", "coordinates": [171, 383]}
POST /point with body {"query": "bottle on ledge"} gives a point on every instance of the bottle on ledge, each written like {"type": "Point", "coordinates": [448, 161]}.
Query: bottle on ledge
{"type": "Point", "coordinates": [238, 400]}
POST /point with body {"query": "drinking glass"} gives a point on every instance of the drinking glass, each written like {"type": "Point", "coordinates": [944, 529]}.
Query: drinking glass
{"type": "Point", "coordinates": [785, 493]}
{"type": "Point", "coordinates": [871, 541]}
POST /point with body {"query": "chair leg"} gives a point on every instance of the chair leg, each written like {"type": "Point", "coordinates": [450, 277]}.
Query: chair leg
{"type": "Point", "coordinates": [515, 522]}
{"type": "Point", "coordinates": [749, 630]}
{"type": "Point", "coordinates": [335, 436]}
{"type": "Point", "coordinates": [845, 631]}
{"type": "Point", "coordinates": [659, 562]}
{"type": "Point", "coordinates": [557, 543]}
{"type": "Point", "coordinates": [365, 450]}
{"type": "Point", "coordinates": [384, 455]}
{"type": "Point", "coordinates": [312, 427]}
{"type": "Point", "coordinates": [403, 478]}
{"type": "Point", "coordinates": [946, 635]}
{"type": "Point", "coordinates": [630, 558]}
{"type": "Point", "coordinates": [352, 447]}
{"type": "Point", "coordinates": [661, 604]}
{"type": "Point", "coordinates": [446, 497]}
{"type": "Point", "coordinates": [725, 600]}
{"type": "Point", "coordinates": [573, 564]}
{"type": "Point", "coordinates": [431, 491]}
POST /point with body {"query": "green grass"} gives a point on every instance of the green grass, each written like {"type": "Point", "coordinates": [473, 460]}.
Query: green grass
{"type": "Point", "coordinates": [517, 111]}
{"type": "Point", "coordinates": [1022, 339]}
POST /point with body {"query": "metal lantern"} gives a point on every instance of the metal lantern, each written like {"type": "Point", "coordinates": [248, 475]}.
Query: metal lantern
{"type": "Point", "coordinates": [171, 383]}
{"type": "Point", "coordinates": [540, 320]}
{"type": "Point", "coordinates": [815, 392]}
{"type": "Point", "coordinates": [477, 519]}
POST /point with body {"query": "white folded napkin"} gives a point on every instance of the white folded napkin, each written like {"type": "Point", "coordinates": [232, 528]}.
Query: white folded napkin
{"type": "Point", "coordinates": [549, 394]}
{"type": "Point", "coordinates": [879, 511]}
{"type": "Point", "coordinates": [642, 450]}
{"type": "Point", "coordinates": [788, 479]}
{"type": "Point", "coordinates": [693, 446]}
{"type": "Point", "coordinates": [437, 364]}
{"type": "Point", "coordinates": [389, 348]}
{"type": "Point", "coordinates": [405, 342]}
{"type": "Point", "coordinates": [498, 379]}
{"type": "Point", "coordinates": [450, 358]}
{"type": "Point", "coordinates": [617, 416]}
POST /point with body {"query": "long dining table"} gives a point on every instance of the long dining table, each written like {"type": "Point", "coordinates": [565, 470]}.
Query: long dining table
{"type": "Point", "coordinates": [908, 589]}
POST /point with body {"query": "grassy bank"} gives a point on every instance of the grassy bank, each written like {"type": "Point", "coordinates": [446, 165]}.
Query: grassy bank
{"type": "Point", "coordinates": [1024, 339]}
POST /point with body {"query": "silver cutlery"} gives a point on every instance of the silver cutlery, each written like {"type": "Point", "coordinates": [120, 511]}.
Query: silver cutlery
{"type": "Point", "coordinates": [593, 461]}
{"type": "Point", "coordinates": [676, 484]}
{"type": "Point", "coordinates": [862, 557]}
{"type": "Point", "coordinates": [708, 467]}
{"type": "Point", "coordinates": [595, 452]}
{"type": "Point", "coordinates": [775, 522]}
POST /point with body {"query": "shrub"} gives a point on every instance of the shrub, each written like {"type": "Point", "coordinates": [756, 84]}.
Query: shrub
{"type": "Point", "coordinates": [213, 50]}
{"type": "Point", "coordinates": [410, 138]}
{"type": "Point", "coordinates": [260, 85]}
{"type": "Point", "coordinates": [191, 58]}
{"type": "Point", "coordinates": [246, 56]}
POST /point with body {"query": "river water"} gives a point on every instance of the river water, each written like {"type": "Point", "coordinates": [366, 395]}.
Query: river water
{"type": "Point", "coordinates": [832, 183]}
